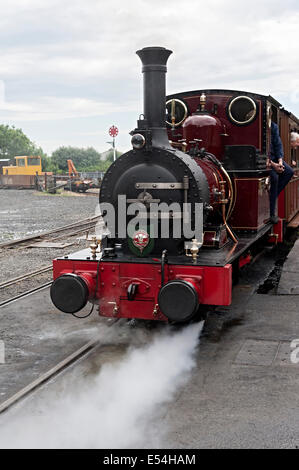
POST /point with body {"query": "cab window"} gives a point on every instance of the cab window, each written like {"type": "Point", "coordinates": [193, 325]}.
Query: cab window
{"type": "Point", "coordinates": [21, 162]}
{"type": "Point", "coordinates": [242, 110]}
{"type": "Point", "coordinates": [33, 161]}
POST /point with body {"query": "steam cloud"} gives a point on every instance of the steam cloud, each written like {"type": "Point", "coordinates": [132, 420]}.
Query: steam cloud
{"type": "Point", "coordinates": [118, 408]}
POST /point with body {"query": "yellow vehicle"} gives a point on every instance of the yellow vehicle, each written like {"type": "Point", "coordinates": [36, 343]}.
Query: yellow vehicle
{"type": "Point", "coordinates": [25, 165]}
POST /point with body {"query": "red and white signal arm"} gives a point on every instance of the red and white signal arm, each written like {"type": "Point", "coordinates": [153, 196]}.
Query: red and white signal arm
{"type": "Point", "coordinates": [113, 131]}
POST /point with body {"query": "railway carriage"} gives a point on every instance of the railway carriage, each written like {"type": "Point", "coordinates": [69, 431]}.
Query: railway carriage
{"type": "Point", "coordinates": [201, 164]}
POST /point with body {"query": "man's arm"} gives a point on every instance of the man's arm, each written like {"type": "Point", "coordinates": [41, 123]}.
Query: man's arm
{"type": "Point", "coordinates": [276, 149]}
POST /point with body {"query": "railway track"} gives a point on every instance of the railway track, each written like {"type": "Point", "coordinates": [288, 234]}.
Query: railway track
{"type": "Point", "coordinates": [26, 276]}
{"type": "Point", "coordinates": [45, 377]}
{"type": "Point", "coordinates": [22, 285]}
{"type": "Point", "coordinates": [53, 371]}
{"type": "Point", "coordinates": [25, 294]}
{"type": "Point", "coordinates": [74, 229]}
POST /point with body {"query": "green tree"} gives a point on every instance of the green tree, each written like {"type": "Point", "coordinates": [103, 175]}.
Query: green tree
{"type": "Point", "coordinates": [109, 157]}
{"type": "Point", "coordinates": [14, 142]}
{"type": "Point", "coordinates": [47, 164]}
{"type": "Point", "coordinates": [84, 159]}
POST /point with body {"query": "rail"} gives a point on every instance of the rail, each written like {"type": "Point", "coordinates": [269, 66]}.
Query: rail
{"type": "Point", "coordinates": [15, 280]}
{"type": "Point", "coordinates": [24, 294]}
{"type": "Point", "coordinates": [48, 375]}
{"type": "Point", "coordinates": [84, 224]}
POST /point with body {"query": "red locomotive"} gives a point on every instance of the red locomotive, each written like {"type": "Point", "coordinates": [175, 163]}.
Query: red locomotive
{"type": "Point", "coordinates": [207, 154]}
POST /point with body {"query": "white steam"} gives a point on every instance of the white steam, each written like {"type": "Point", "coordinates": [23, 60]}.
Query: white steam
{"type": "Point", "coordinates": [119, 408]}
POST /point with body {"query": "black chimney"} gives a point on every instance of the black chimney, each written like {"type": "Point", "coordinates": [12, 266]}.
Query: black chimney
{"type": "Point", "coordinates": [154, 68]}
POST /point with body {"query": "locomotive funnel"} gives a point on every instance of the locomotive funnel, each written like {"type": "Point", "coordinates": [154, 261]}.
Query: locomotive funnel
{"type": "Point", "coordinates": [154, 68]}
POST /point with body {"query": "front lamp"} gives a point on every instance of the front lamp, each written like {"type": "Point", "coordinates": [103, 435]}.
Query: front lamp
{"type": "Point", "coordinates": [138, 141]}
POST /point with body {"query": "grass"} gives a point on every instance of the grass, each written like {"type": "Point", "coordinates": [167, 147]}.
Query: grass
{"type": "Point", "coordinates": [59, 193]}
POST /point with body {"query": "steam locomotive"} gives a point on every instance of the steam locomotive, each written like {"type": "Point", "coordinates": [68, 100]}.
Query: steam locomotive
{"type": "Point", "coordinates": [199, 165]}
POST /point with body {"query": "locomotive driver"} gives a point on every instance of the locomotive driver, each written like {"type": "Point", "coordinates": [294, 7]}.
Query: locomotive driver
{"type": "Point", "coordinates": [280, 173]}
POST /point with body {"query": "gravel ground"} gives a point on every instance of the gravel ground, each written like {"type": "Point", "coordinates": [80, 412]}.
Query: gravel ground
{"type": "Point", "coordinates": [26, 212]}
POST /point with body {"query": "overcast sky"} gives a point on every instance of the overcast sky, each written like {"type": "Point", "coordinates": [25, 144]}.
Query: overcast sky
{"type": "Point", "coordinates": [68, 69]}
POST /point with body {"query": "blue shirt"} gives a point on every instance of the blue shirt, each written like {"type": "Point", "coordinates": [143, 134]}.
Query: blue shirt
{"type": "Point", "coordinates": [276, 148]}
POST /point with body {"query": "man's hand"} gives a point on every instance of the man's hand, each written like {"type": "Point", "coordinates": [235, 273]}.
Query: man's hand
{"type": "Point", "coordinates": [278, 167]}
{"type": "Point", "coordinates": [281, 167]}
